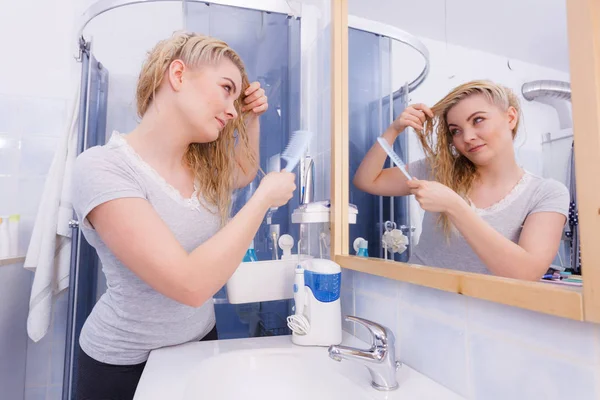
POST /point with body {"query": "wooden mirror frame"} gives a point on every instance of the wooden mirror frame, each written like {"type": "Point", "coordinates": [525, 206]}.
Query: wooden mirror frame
{"type": "Point", "coordinates": [583, 304]}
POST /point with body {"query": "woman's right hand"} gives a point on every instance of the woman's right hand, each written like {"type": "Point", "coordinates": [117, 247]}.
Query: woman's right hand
{"type": "Point", "coordinates": [277, 188]}
{"type": "Point", "coordinates": [413, 116]}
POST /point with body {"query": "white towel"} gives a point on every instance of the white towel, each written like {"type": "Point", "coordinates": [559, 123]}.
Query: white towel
{"type": "Point", "coordinates": [49, 252]}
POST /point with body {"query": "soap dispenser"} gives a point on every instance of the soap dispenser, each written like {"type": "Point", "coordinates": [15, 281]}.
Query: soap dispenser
{"type": "Point", "coordinates": [250, 255]}
{"type": "Point", "coordinates": [361, 247]}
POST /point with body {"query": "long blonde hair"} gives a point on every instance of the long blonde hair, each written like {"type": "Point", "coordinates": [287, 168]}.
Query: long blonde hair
{"type": "Point", "coordinates": [213, 164]}
{"type": "Point", "coordinates": [448, 166]}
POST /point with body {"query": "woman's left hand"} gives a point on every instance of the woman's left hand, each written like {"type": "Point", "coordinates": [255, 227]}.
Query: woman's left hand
{"type": "Point", "coordinates": [255, 100]}
{"type": "Point", "coordinates": [433, 196]}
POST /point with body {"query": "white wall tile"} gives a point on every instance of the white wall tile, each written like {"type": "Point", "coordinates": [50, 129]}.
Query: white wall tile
{"type": "Point", "coordinates": [375, 285]}
{"type": "Point", "coordinates": [30, 193]}
{"type": "Point", "coordinates": [561, 336]}
{"type": "Point", "coordinates": [505, 370]}
{"type": "Point", "coordinates": [54, 392]}
{"type": "Point", "coordinates": [35, 393]}
{"type": "Point", "coordinates": [434, 348]}
{"type": "Point", "coordinates": [348, 278]}
{"type": "Point", "coordinates": [446, 305]}
{"type": "Point", "coordinates": [25, 229]}
{"type": "Point", "coordinates": [374, 308]}
{"type": "Point", "coordinates": [14, 295]}
{"type": "Point", "coordinates": [9, 114]}
{"type": "Point", "coordinates": [9, 153]}
{"type": "Point", "coordinates": [9, 185]}
{"type": "Point", "coordinates": [44, 116]}
{"type": "Point", "coordinates": [36, 154]}
{"type": "Point", "coordinates": [39, 356]}
{"type": "Point", "coordinates": [347, 302]}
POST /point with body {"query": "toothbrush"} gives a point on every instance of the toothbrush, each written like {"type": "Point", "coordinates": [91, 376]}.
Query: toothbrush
{"type": "Point", "coordinates": [299, 290]}
{"type": "Point", "coordinates": [393, 156]}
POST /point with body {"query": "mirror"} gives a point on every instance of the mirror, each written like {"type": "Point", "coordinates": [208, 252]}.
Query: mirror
{"type": "Point", "coordinates": [496, 194]}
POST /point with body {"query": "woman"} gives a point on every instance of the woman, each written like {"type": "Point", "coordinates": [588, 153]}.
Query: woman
{"type": "Point", "coordinates": [155, 205]}
{"type": "Point", "coordinates": [484, 213]}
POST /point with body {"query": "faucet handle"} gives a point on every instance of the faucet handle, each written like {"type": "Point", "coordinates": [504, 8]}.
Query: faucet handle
{"type": "Point", "coordinates": [379, 333]}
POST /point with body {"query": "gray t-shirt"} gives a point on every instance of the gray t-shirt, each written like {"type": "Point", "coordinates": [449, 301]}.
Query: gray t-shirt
{"type": "Point", "coordinates": [131, 318]}
{"type": "Point", "coordinates": [531, 195]}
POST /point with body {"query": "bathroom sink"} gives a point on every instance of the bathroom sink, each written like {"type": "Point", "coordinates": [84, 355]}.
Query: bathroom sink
{"type": "Point", "coordinates": [270, 368]}
{"type": "Point", "coordinates": [271, 374]}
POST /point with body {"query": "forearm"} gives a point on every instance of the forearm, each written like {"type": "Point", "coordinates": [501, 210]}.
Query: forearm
{"type": "Point", "coordinates": [371, 175]}
{"type": "Point", "coordinates": [211, 264]}
{"type": "Point", "coordinates": [501, 256]}
{"type": "Point", "coordinates": [246, 171]}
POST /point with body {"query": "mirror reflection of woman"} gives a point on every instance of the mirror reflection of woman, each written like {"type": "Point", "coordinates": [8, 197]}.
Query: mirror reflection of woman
{"type": "Point", "coordinates": [484, 213]}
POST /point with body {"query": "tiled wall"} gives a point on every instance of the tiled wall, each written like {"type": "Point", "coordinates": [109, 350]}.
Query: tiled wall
{"type": "Point", "coordinates": [34, 88]}
{"type": "Point", "coordinates": [479, 349]}
{"type": "Point", "coordinates": [29, 131]}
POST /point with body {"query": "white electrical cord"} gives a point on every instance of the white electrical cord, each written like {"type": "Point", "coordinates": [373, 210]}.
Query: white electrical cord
{"type": "Point", "coordinates": [298, 324]}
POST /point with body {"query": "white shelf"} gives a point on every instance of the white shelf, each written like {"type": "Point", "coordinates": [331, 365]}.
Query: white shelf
{"type": "Point", "coordinates": [11, 260]}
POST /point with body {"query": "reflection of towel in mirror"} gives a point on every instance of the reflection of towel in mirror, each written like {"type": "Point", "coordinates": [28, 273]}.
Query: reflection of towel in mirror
{"type": "Point", "coordinates": [49, 252]}
{"type": "Point", "coordinates": [416, 214]}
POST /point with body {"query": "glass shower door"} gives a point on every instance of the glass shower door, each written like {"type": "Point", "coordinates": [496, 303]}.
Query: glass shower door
{"type": "Point", "coordinates": [269, 45]}
{"type": "Point", "coordinates": [370, 66]}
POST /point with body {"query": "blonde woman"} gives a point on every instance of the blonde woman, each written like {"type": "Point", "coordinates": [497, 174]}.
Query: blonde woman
{"type": "Point", "coordinates": [155, 205]}
{"type": "Point", "coordinates": [484, 213]}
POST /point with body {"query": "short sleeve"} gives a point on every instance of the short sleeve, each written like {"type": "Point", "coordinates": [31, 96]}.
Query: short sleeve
{"type": "Point", "coordinates": [553, 196]}
{"type": "Point", "coordinates": [419, 169]}
{"type": "Point", "coordinates": [99, 176]}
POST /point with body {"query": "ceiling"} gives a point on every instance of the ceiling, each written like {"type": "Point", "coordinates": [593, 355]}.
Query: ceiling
{"type": "Point", "coordinates": [534, 31]}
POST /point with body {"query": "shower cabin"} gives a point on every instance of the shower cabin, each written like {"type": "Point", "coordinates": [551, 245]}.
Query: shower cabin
{"type": "Point", "coordinates": [385, 65]}
{"type": "Point", "coordinates": [271, 37]}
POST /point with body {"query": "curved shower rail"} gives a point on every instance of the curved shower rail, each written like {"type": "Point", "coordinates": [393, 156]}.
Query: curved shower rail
{"type": "Point", "coordinates": [279, 6]}
{"type": "Point", "coordinates": [101, 6]}
{"type": "Point", "coordinates": [400, 36]}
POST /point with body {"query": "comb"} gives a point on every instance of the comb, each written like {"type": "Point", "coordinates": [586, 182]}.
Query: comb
{"type": "Point", "coordinates": [298, 144]}
{"type": "Point", "coordinates": [393, 156]}
{"type": "Point", "coordinates": [295, 149]}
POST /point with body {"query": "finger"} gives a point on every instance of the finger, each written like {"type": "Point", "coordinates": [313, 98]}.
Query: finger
{"type": "Point", "coordinates": [413, 184]}
{"type": "Point", "coordinates": [424, 108]}
{"type": "Point", "coordinates": [261, 108]}
{"type": "Point", "coordinates": [256, 103]}
{"type": "Point", "coordinates": [415, 126]}
{"type": "Point", "coordinates": [413, 118]}
{"type": "Point", "coordinates": [252, 88]}
{"type": "Point", "coordinates": [420, 115]}
{"type": "Point", "coordinates": [254, 96]}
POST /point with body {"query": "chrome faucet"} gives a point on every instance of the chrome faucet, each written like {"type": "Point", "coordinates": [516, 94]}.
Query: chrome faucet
{"type": "Point", "coordinates": [380, 359]}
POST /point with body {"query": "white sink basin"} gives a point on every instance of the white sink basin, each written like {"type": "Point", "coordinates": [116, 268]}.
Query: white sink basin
{"type": "Point", "coordinates": [270, 368]}
{"type": "Point", "coordinates": [271, 374]}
